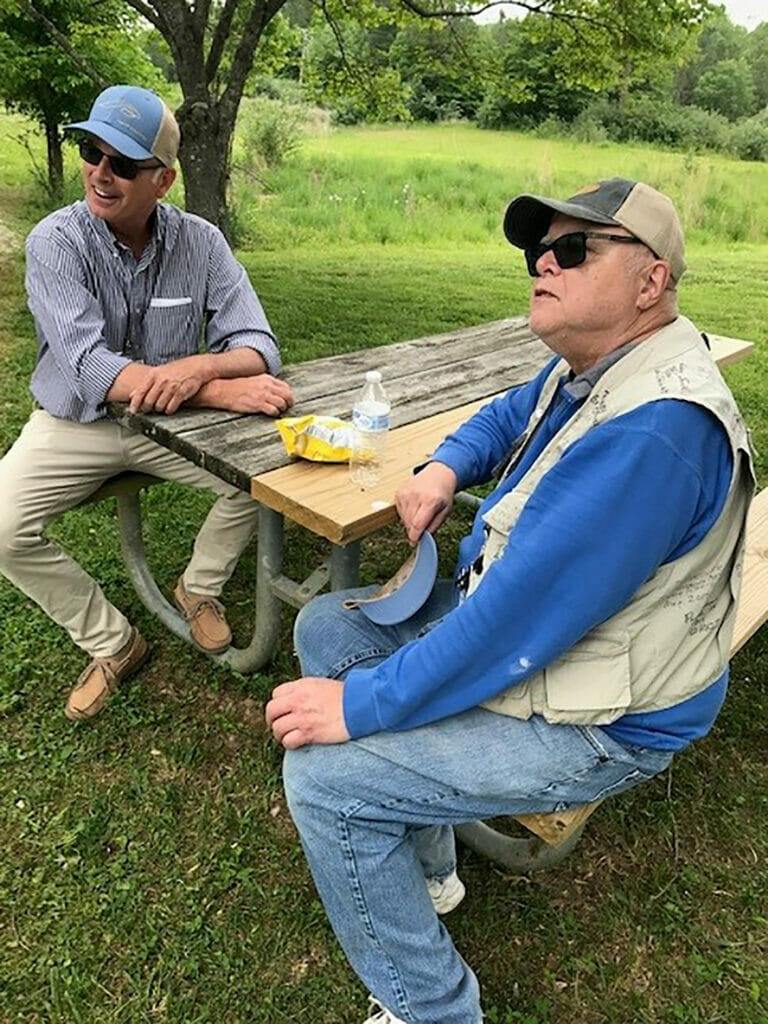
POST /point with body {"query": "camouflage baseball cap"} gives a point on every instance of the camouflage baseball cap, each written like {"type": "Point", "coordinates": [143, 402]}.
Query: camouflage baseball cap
{"type": "Point", "coordinates": [649, 215]}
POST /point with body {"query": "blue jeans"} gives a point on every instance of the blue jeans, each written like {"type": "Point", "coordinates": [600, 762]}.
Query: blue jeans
{"type": "Point", "coordinates": [375, 815]}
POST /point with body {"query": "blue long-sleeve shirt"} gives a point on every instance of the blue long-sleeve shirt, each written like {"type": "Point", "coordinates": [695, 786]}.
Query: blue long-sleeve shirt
{"type": "Point", "coordinates": [630, 495]}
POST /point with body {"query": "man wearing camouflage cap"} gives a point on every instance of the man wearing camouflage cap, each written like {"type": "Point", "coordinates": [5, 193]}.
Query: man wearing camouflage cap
{"type": "Point", "coordinates": [585, 638]}
{"type": "Point", "coordinates": [123, 288]}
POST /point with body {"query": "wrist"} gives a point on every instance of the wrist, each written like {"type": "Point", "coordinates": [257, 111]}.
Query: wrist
{"type": "Point", "coordinates": [207, 367]}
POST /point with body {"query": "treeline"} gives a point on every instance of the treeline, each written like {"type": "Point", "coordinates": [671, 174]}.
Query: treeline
{"type": "Point", "coordinates": [527, 74]}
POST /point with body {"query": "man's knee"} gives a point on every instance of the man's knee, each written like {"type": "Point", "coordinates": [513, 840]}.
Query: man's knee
{"type": "Point", "coordinates": [16, 538]}
{"type": "Point", "coordinates": [312, 621]}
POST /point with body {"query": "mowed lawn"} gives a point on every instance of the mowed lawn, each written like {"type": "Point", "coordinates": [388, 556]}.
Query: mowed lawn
{"type": "Point", "coordinates": [150, 871]}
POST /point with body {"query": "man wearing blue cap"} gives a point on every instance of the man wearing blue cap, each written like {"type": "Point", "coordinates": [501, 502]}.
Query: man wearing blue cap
{"type": "Point", "coordinates": [585, 638]}
{"type": "Point", "coordinates": [122, 289]}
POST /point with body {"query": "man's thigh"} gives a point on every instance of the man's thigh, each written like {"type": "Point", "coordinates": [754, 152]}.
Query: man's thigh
{"type": "Point", "coordinates": [147, 456]}
{"type": "Point", "coordinates": [54, 464]}
{"type": "Point", "coordinates": [474, 765]}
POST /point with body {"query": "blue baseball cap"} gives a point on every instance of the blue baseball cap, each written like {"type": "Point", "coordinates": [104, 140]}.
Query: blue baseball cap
{"type": "Point", "coordinates": [136, 122]}
{"type": "Point", "coordinates": [402, 596]}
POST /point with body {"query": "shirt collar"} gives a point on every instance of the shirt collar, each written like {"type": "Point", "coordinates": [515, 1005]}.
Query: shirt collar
{"type": "Point", "coordinates": [580, 385]}
{"type": "Point", "coordinates": [159, 218]}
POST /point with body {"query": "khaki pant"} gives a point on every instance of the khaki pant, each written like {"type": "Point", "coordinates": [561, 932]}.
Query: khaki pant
{"type": "Point", "coordinates": [54, 465]}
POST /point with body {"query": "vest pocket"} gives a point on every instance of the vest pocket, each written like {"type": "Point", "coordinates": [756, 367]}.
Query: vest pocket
{"type": "Point", "coordinates": [594, 675]}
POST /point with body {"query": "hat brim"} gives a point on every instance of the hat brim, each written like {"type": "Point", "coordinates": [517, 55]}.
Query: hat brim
{"type": "Point", "coordinates": [122, 143]}
{"type": "Point", "coordinates": [528, 217]}
{"type": "Point", "coordinates": [409, 597]}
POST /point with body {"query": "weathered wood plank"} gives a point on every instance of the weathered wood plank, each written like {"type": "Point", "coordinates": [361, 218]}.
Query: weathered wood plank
{"type": "Point", "coordinates": [332, 374]}
{"type": "Point", "coordinates": [424, 376]}
{"type": "Point", "coordinates": [239, 449]}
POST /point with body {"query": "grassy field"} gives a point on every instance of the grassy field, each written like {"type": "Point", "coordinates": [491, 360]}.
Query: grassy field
{"type": "Point", "coordinates": [150, 872]}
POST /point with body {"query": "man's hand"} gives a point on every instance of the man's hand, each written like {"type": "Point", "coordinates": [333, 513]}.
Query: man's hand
{"type": "Point", "coordinates": [165, 387]}
{"type": "Point", "coordinates": [424, 501]}
{"type": "Point", "coordinates": [307, 710]}
{"type": "Point", "coordinates": [262, 393]}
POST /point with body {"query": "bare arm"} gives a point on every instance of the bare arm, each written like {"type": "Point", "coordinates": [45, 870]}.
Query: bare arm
{"type": "Point", "coordinates": [227, 380]}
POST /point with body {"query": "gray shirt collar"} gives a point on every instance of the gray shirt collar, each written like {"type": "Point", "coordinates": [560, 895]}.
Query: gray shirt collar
{"type": "Point", "coordinates": [580, 385]}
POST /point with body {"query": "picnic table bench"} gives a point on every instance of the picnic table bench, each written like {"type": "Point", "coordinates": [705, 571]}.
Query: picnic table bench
{"type": "Point", "coordinates": [434, 384]}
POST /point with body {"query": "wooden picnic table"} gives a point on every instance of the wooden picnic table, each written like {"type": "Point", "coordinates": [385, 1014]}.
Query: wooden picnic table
{"type": "Point", "coordinates": [434, 384]}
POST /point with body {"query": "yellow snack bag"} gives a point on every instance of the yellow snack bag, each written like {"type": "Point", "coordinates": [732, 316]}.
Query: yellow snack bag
{"type": "Point", "coordinates": [317, 438]}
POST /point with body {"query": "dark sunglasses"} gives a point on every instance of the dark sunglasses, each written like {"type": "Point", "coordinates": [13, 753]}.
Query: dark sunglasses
{"type": "Point", "coordinates": [570, 250]}
{"type": "Point", "coordinates": [121, 166]}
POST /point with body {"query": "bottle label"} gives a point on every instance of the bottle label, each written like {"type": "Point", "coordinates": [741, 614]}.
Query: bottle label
{"type": "Point", "coordinates": [370, 421]}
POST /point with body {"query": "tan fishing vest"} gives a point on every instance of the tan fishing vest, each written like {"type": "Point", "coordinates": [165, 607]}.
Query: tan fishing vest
{"type": "Point", "coordinates": [673, 638]}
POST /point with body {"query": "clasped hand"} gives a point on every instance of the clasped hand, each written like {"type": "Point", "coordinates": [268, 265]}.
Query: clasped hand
{"type": "Point", "coordinates": [165, 387]}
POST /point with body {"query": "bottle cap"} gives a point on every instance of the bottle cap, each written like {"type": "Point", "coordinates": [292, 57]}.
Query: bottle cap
{"type": "Point", "coordinates": [373, 376]}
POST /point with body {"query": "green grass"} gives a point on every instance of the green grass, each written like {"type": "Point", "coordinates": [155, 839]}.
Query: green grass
{"type": "Point", "coordinates": [447, 185]}
{"type": "Point", "coordinates": [150, 872]}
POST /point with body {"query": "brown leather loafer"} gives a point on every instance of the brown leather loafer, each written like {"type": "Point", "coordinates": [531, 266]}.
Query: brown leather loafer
{"type": "Point", "coordinates": [98, 682]}
{"type": "Point", "coordinates": [206, 617]}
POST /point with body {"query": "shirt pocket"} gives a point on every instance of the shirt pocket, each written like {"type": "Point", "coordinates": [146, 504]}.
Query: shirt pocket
{"type": "Point", "coordinates": [171, 329]}
{"type": "Point", "coordinates": [594, 675]}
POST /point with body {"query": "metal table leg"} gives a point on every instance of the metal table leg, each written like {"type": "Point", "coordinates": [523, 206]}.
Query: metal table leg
{"type": "Point", "coordinates": [270, 559]}
{"type": "Point", "coordinates": [345, 566]}
{"type": "Point", "coordinates": [267, 622]}
{"type": "Point", "coordinates": [520, 855]}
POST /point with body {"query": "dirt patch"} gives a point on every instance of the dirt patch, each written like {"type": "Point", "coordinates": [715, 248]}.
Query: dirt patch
{"type": "Point", "coordinates": [10, 243]}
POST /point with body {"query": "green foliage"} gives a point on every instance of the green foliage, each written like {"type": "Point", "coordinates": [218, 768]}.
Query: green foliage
{"type": "Point", "coordinates": [648, 119]}
{"type": "Point", "coordinates": [39, 79]}
{"type": "Point", "coordinates": [346, 67]}
{"type": "Point", "coordinates": [279, 51]}
{"type": "Point", "coordinates": [445, 63]}
{"type": "Point", "coordinates": [269, 131]}
{"type": "Point", "coordinates": [749, 139]}
{"type": "Point", "coordinates": [728, 88]}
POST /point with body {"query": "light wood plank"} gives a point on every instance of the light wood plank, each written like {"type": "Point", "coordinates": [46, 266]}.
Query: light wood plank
{"type": "Point", "coordinates": [729, 350]}
{"type": "Point", "coordinates": [752, 610]}
{"type": "Point", "coordinates": [322, 497]}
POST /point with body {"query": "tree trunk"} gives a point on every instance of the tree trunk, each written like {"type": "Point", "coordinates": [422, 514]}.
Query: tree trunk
{"type": "Point", "coordinates": [55, 160]}
{"type": "Point", "coordinates": [204, 159]}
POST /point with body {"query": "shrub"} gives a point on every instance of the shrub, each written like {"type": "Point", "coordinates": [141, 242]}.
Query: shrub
{"type": "Point", "coordinates": [270, 131]}
{"type": "Point", "coordinates": [648, 119]}
{"type": "Point", "coordinates": [748, 139]}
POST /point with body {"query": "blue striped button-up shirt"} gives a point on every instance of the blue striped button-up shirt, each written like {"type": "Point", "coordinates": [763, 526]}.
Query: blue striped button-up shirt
{"type": "Point", "coordinates": [97, 308]}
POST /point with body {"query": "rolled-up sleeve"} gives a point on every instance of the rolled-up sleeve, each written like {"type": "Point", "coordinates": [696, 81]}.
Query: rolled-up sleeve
{"type": "Point", "coordinates": [69, 320]}
{"type": "Point", "coordinates": [235, 317]}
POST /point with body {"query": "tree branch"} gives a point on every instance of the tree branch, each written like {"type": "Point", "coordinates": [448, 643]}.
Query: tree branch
{"type": "Point", "coordinates": [541, 7]}
{"type": "Point", "coordinates": [147, 12]}
{"type": "Point", "coordinates": [220, 34]}
{"type": "Point", "coordinates": [63, 43]}
{"type": "Point", "coordinates": [261, 14]}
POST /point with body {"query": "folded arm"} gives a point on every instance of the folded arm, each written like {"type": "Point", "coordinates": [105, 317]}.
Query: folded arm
{"type": "Point", "coordinates": [235, 380]}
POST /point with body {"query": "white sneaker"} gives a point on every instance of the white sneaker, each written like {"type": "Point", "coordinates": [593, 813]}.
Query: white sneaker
{"type": "Point", "coordinates": [446, 895]}
{"type": "Point", "coordinates": [381, 1016]}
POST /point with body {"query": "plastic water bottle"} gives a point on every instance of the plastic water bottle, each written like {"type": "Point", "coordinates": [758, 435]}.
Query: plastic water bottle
{"type": "Point", "coordinates": [370, 420]}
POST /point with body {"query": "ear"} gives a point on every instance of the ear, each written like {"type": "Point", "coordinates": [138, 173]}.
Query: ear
{"type": "Point", "coordinates": [655, 280]}
{"type": "Point", "coordinates": [164, 181]}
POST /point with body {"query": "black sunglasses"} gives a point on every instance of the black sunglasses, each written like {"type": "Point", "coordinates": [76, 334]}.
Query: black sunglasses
{"type": "Point", "coordinates": [121, 166]}
{"type": "Point", "coordinates": [570, 250]}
